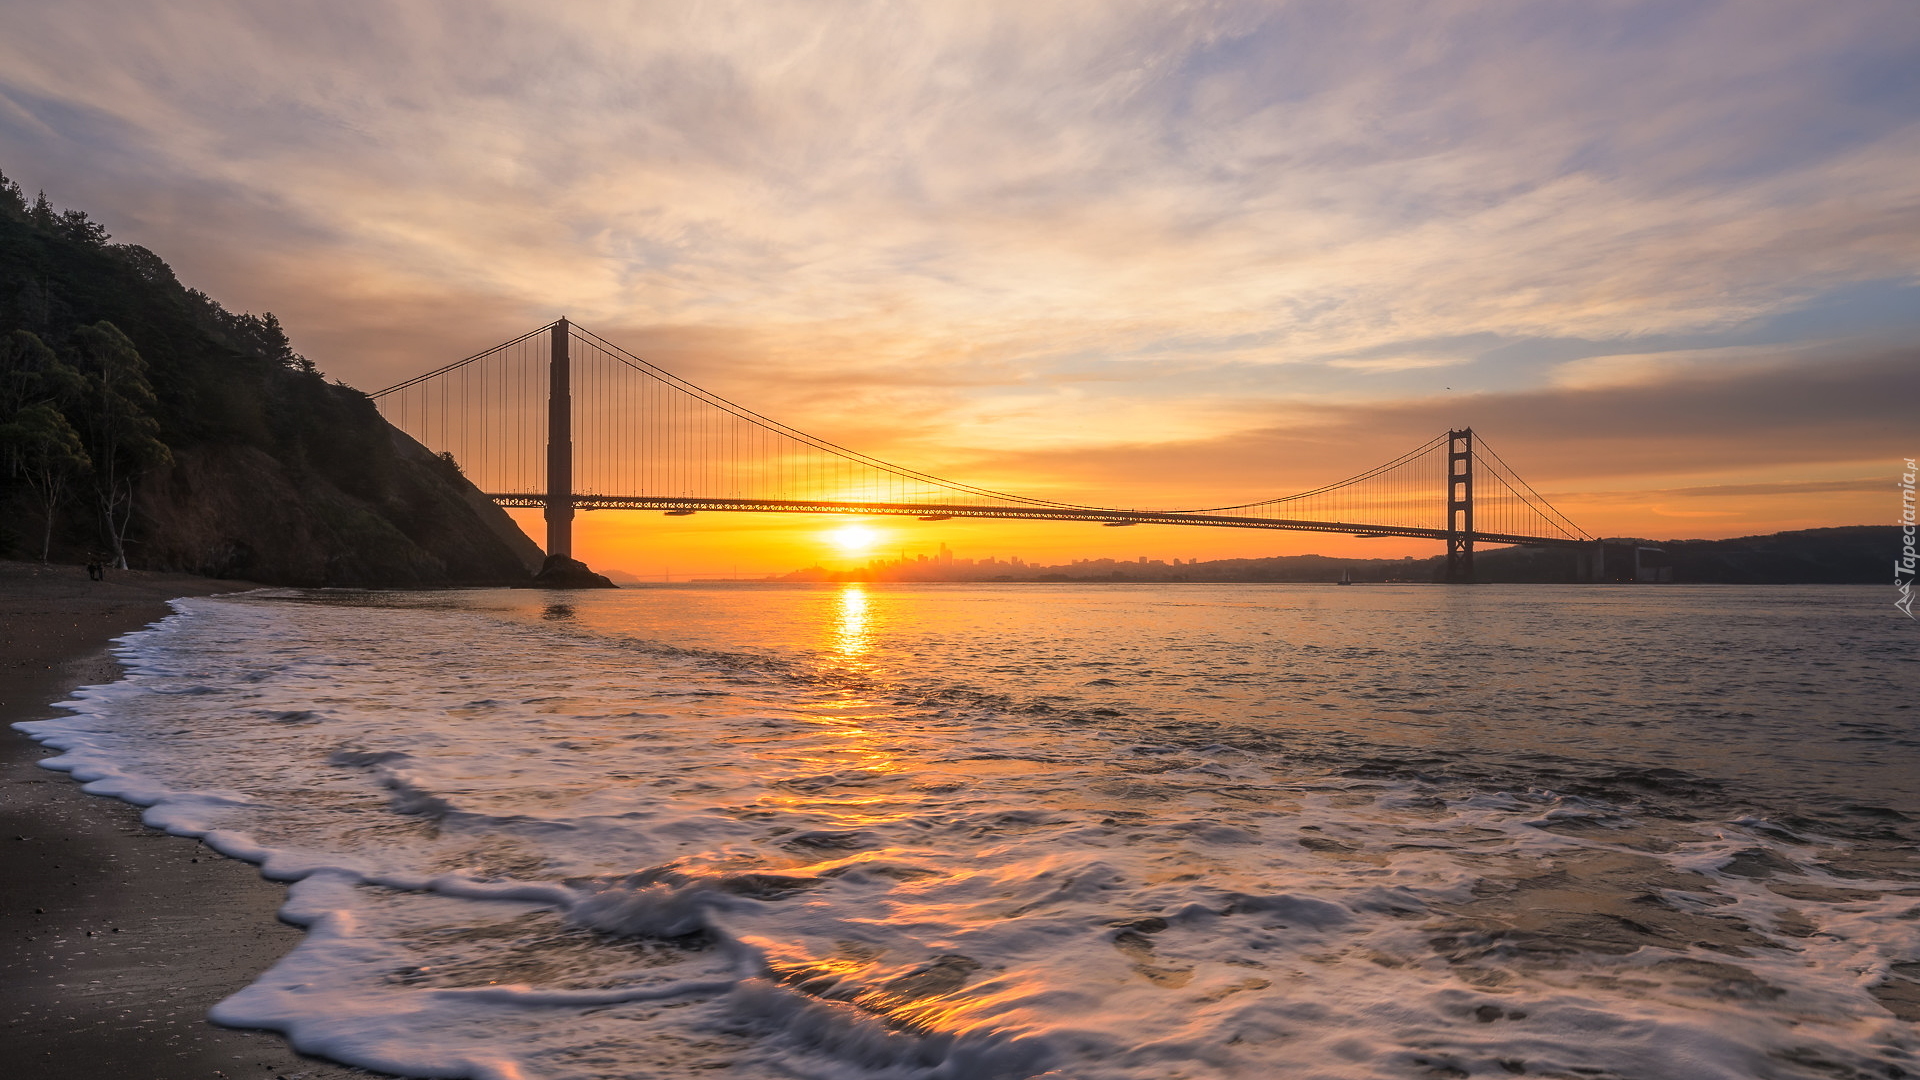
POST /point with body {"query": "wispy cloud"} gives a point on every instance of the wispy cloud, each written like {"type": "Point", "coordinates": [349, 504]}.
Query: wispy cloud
{"type": "Point", "coordinates": [1382, 365]}
{"type": "Point", "coordinates": [1841, 412]}
{"type": "Point", "coordinates": [1780, 489]}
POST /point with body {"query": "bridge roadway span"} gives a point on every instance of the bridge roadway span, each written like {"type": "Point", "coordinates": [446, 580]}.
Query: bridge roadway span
{"type": "Point", "coordinates": [1031, 513]}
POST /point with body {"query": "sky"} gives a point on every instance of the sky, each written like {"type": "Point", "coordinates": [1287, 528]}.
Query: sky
{"type": "Point", "coordinates": [1664, 256]}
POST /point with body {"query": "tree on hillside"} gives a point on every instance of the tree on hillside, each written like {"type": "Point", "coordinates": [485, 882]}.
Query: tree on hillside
{"type": "Point", "coordinates": [31, 373]}
{"type": "Point", "coordinates": [261, 335]}
{"type": "Point", "coordinates": [122, 436]}
{"type": "Point", "coordinates": [47, 453]}
{"type": "Point", "coordinates": [13, 201]}
{"type": "Point", "coordinates": [37, 442]}
{"type": "Point", "coordinates": [76, 226]}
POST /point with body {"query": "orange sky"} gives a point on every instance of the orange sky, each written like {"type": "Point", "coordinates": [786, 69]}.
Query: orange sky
{"type": "Point", "coordinates": [654, 547]}
{"type": "Point", "coordinates": [1665, 257]}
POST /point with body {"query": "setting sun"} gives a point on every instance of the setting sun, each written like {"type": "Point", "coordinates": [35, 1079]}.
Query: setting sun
{"type": "Point", "coordinates": [855, 539]}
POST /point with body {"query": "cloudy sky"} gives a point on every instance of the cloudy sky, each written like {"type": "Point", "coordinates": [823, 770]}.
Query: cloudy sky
{"type": "Point", "coordinates": [1665, 256]}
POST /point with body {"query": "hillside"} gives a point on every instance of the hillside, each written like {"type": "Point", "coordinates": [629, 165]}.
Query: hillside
{"type": "Point", "coordinates": [141, 420]}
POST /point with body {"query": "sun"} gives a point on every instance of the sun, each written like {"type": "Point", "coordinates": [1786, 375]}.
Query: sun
{"type": "Point", "coordinates": [855, 539]}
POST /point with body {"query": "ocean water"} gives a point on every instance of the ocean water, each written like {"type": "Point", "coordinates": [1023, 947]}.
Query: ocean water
{"type": "Point", "coordinates": [1087, 832]}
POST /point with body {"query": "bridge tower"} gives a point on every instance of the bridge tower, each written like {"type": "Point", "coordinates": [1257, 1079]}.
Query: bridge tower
{"type": "Point", "coordinates": [559, 501]}
{"type": "Point", "coordinates": [1460, 506]}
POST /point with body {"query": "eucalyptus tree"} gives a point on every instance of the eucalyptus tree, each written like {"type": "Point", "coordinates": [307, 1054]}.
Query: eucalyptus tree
{"type": "Point", "coordinates": [38, 443]}
{"type": "Point", "coordinates": [122, 436]}
{"type": "Point", "coordinates": [48, 455]}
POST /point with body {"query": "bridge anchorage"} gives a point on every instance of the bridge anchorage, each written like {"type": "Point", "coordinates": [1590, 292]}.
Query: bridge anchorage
{"type": "Point", "coordinates": [566, 421]}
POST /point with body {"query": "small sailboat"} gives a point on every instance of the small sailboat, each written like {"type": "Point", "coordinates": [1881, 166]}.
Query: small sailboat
{"type": "Point", "coordinates": [1346, 576]}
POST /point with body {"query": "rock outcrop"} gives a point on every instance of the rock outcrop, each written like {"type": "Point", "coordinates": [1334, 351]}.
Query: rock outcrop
{"type": "Point", "coordinates": [560, 572]}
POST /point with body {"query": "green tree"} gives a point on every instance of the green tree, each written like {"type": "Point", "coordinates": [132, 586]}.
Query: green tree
{"type": "Point", "coordinates": [31, 373]}
{"type": "Point", "coordinates": [13, 201]}
{"type": "Point", "coordinates": [122, 436]}
{"type": "Point", "coordinates": [76, 226]}
{"type": "Point", "coordinates": [38, 444]}
{"type": "Point", "coordinates": [261, 335]}
{"type": "Point", "coordinates": [47, 453]}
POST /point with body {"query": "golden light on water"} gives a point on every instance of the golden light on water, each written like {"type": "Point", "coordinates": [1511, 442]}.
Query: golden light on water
{"type": "Point", "coordinates": [852, 628]}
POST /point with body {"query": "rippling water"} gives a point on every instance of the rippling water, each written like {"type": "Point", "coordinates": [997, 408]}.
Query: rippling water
{"type": "Point", "coordinates": [1086, 832]}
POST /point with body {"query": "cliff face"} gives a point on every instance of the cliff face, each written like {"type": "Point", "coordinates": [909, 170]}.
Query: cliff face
{"type": "Point", "coordinates": [237, 512]}
{"type": "Point", "coordinates": [247, 461]}
{"type": "Point", "coordinates": [348, 500]}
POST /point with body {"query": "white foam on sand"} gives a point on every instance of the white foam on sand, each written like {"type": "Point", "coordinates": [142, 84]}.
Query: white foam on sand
{"type": "Point", "coordinates": [524, 853]}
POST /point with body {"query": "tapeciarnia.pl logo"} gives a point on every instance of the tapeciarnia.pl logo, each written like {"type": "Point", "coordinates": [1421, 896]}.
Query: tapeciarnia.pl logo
{"type": "Point", "coordinates": [1903, 567]}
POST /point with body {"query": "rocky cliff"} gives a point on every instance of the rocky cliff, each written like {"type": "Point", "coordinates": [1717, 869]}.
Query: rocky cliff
{"type": "Point", "coordinates": [235, 511]}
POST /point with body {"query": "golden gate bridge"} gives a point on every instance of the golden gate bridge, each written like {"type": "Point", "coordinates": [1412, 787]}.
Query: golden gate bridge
{"type": "Point", "coordinates": [566, 421]}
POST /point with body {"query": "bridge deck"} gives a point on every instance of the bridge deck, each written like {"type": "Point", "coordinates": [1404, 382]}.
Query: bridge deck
{"type": "Point", "coordinates": [1031, 513]}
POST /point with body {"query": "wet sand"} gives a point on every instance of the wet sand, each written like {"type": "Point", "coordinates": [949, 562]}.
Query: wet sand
{"type": "Point", "coordinates": [115, 938]}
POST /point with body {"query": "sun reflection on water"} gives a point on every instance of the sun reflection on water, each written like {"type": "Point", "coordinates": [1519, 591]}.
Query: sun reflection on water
{"type": "Point", "coordinates": [853, 627]}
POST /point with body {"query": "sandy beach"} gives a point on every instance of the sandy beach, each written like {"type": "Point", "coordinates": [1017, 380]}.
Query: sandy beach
{"type": "Point", "coordinates": [115, 938]}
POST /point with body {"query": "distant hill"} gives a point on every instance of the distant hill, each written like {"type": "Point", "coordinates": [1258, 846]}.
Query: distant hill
{"type": "Point", "coordinates": [1851, 554]}
{"type": "Point", "coordinates": [1854, 554]}
{"type": "Point", "coordinates": [158, 426]}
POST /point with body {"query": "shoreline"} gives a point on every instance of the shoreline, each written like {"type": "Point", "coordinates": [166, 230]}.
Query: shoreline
{"type": "Point", "coordinates": [116, 937]}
